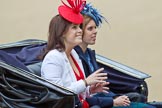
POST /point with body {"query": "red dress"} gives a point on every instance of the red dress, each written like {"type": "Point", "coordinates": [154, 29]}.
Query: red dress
{"type": "Point", "coordinates": [81, 77]}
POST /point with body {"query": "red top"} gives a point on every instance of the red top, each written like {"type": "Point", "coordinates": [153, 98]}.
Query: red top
{"type": "Point", "coordinates": [80, 77]}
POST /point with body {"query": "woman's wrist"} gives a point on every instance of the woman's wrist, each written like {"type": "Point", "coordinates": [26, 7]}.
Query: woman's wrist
{"type": "Point", "coordinates": [91, 91]}
{"type": "Point", "coordinates": [86, 84]}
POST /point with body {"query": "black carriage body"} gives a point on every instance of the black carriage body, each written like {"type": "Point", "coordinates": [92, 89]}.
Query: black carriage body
{"type": "Point", "coordinates": [20, 88]}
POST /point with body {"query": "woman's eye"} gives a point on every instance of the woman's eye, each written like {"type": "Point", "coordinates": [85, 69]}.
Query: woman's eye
{"type": "Point", "coordinates": [90, 28]}
{"type": "Point", "coordinates": [74, 27]}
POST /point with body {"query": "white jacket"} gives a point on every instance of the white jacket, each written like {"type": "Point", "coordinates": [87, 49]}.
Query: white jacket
{"type": "Point", "coordinates": [56, 68]}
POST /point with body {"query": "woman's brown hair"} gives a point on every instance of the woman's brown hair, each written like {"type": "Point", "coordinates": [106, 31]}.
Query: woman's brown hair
{"type": "Point", "coordinates": [58, 26]}
{"type": "Point", "coordinates": [86, 20]}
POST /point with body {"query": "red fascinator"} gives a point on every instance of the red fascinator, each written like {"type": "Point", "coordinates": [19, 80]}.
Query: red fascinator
{"type": "Point", "coordinates": [72, 11]}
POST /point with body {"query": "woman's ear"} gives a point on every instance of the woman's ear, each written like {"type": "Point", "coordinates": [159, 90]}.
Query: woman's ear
{"type": "Point", "coordinates": [64, 34]}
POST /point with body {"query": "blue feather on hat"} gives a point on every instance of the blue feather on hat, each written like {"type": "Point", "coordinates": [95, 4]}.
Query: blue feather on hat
{"type": "Point", "coordinates": [90, 11]}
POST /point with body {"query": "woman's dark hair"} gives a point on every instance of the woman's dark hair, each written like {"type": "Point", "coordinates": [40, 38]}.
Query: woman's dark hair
{"type": "Point", "coordinates": [86, 20]}
{"type": "Point", "coordinates": [58, 26]}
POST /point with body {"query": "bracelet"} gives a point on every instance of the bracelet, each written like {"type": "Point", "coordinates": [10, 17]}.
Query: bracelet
{"type": "Point", "coordinates": [86, 84]}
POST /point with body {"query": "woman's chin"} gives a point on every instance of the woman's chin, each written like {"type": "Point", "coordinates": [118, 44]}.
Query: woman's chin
{"type": "Point", "coordinates": [92, 43]}
{"type": "Point", "coordinates": [78, 42]}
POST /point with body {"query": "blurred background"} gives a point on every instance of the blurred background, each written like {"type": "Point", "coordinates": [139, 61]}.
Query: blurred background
{"type": "Point", "coordinates": [133, 36]}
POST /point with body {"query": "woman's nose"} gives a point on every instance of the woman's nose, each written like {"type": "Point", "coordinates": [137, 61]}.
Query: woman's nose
{"type": "Point", "coordinates": [95, 31]}
{"type": "Point", "coordinates": [80, 30]}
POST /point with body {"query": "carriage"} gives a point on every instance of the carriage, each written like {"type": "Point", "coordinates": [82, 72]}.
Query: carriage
{"type": "Point", "coordinates": [22, 87]}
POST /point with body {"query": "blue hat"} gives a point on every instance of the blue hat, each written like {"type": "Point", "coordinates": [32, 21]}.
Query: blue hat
{"type": "Point", "coordinates": [93, 13]}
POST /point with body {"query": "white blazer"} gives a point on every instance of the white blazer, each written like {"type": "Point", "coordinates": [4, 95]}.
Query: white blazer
{"type": "Point", "coordinates": [56, 68]}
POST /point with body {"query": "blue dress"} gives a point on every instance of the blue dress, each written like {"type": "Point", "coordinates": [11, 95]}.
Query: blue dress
{"type": "Point", "coordinates": [101, 99]}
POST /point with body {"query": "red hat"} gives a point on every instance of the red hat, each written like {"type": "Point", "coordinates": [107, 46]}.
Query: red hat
{"type": "Point", "coordinates": [72, 12]}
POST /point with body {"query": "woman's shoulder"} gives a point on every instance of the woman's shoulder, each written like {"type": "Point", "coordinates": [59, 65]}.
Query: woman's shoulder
{"type": "Point", "coordinates": [55, 54]}
{"type": "Point", "coordinates": [54, 57]}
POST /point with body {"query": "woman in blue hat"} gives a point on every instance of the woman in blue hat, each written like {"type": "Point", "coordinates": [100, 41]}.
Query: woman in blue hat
{"type": "Point", "coordinates": [92, 20]}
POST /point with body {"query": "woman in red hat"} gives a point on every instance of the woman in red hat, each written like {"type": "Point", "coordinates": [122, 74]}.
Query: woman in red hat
{"type": "Point", "coordinates": [61, 63]}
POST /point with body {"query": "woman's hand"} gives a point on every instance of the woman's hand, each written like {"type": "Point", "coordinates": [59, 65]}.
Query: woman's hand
{"type": "Point", "coordinates": [97, 77]}
{"type": "Point", "coordinates": [121, 101]}
{"type": "Point", "coordinates": [99, 87]}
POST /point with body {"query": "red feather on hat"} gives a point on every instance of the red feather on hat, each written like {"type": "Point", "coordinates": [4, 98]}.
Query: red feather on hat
{"type": "Point", "coordinates": [76, 5]}
{"type": "Point", "coordinates": [71, 12]}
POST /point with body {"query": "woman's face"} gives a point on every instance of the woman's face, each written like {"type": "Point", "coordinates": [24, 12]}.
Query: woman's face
{"type": "Point", "coordinates": [90, 32]}
{"type": "Point", "coordinates": [73, 36]}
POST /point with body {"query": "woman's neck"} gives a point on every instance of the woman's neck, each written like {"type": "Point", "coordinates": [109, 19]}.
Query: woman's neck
{"type": "Point", "coordinates": [83, 47]}
{"type": "Point", "coordinates": [68, 49]}
{"type": "Point", "coordinates": [68, 52]}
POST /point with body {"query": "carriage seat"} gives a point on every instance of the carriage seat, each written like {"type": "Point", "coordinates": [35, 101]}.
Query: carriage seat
{"type": "Point", "coordinates": [35, 68]}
